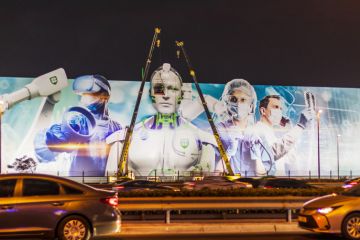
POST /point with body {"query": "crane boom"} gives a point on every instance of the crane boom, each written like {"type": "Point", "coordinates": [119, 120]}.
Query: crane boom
{"type": "Point", "coordinates": [122, 167]}
{"type": "Point", "coordinates": [208, 115]}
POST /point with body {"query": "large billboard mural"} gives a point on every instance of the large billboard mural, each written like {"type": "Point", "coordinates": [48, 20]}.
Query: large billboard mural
{"type": "Point", "coordinates": [265, 130]}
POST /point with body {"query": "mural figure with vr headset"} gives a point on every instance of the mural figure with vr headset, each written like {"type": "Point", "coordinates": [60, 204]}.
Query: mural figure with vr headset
{"type": "Point", "coordinates": [80, 137]}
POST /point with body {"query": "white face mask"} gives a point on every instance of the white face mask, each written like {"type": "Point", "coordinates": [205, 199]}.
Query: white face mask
{"type": "Point", "coordinates": [275, 116]}
{"type": "Point", "coordinates": [239, 111]}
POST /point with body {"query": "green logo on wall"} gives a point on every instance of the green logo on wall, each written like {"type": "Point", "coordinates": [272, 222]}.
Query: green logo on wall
{"type": "Point", "coordinates": [184, 142]}
{"type": "Point", "coordinates": [54, 80]}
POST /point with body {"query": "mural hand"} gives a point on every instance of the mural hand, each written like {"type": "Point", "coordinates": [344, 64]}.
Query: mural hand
{"type": "Point", "coordinates": [306, 116]}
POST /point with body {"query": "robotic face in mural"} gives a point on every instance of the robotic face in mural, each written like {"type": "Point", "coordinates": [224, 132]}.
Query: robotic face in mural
{"type": "Point", "coordinates": [239, 98]}
{"type": "Point", "coordinates": [165, 89]}
{"type": "Point", "coordinates": [170, 143]}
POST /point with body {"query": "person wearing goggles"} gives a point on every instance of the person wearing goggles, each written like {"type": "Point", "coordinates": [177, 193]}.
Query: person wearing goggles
{"type": "Point", "coordinates": [84, 129]}
{"type": "Point", "coordinates": [168, 143]}
{"type": "Point", "coordinates": [239, 99]}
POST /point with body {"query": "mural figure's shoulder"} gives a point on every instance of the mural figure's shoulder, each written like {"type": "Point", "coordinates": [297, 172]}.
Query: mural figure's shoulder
{"type": "Point", "coordinates": [116, 136]}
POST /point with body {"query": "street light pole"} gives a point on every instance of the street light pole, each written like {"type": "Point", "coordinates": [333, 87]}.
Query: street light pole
{"type": "Point", "coordinates": [1, 113]}
{"type": "Point", "coordinates": [0, 142]}
{"type": "Point", "coordinates": [338, 153]}
{"type": "Point", "coordinates": [2, 109]}
{"type": "Point", "coordinates": [318, 140]}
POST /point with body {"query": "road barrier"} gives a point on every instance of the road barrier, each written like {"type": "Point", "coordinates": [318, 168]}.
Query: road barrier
{"type": "Point", "coordinates": [168, 204]}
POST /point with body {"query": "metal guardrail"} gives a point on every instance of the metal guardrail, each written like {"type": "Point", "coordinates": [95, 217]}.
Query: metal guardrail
{"type": "Point", "coordinates": [91, 177]}
{"type": "Point", "coordinates": [168, 204]}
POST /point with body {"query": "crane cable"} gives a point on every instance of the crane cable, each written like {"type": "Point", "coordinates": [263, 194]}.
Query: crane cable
{"type": "Point", "coordinates": [221, 148]}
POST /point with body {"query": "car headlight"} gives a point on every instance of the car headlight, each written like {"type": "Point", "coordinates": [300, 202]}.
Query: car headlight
{"type": "Point", "coordinates": [327, 209]}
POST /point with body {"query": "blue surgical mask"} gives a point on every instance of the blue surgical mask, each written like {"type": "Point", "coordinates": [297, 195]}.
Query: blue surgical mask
{"type": "Point", "coordinates": [95, 105]}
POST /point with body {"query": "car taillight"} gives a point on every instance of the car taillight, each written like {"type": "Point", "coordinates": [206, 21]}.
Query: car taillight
{"type": "Point", "coordinates": [354, 183]}
{"type": "Point", "coordinates": [112, 201]}
{"type": "Point", "coordinates": [119, 187]}
{"type": "Point", "coordinates": [189, 183]}
{"type": "Point", "coordinates": [268, 187]}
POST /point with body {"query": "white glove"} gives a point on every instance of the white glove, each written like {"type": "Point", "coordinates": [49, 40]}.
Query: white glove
{"type": "Point", "coordinates": [306, 116]}
{"type": "Point", "coordinates": [260, 169]}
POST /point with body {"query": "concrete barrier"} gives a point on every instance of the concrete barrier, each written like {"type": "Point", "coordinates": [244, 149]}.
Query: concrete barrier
{"type": "Point", "coordinates": [208, 228]}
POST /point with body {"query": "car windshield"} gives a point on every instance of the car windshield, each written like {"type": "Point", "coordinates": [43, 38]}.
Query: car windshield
{"type": "Point", "coordinates": [354, 191]}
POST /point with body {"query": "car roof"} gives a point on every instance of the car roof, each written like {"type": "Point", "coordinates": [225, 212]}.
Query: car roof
{"type": "Point", "coordinates": [354, 179]}
{"type": "Point", "coordinates": [214, 177]}
{"type": "Point", "coordinates": [47, 177]}
{"type": "Point", "coordinates": [248, 179]}
{"type": "Point", "coordinates": [131, 181]}
{"type": "Point", "coordinates": [284, 179]}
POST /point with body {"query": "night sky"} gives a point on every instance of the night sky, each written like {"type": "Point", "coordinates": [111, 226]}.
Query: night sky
{"type": "Point", "coordinates": [272, 42]}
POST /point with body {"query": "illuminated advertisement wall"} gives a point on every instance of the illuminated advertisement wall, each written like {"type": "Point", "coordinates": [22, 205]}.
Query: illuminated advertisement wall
{"type": "Point", "coordinates": [277, 138]}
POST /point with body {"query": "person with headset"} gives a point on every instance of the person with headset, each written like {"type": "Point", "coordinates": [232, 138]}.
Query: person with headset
{"type": "Point", "coordinates": [239, 99]}
{"type": "Point", "coordinates": [264, 147]}
{"type": "Point", "coordinates": [80, 137]}
{"type": "Point", "coordinates": [165, 142]}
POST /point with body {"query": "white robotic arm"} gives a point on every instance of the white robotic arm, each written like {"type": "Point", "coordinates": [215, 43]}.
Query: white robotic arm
{"type": "Point", "coordinates": [42, 86]}
{"type": "Point", "coordinates": [47, 86]}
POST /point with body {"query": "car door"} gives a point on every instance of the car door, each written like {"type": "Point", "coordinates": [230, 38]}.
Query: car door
{"type": "Point", "coordinates": [40, 206]}
{"type": "Point", "coordinates": [7, 204]}
{"type": "Point", "coordinates": [140, 185]}
{"type": "Point", "coordinates": [129, 186]}
{"type": "Point", "coordinates": [147, 185]}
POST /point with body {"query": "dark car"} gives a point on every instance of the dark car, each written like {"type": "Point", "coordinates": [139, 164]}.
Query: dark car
{"type": "Point", "coordinates": [141, 185]}
{"type": "Point", "coordinates": [351, 182]}
{"type": "Point", "coordinates": [122, 179]}
{"type": "Point", "coordinates": [283, 183]}
{"type": "Point", "coordinates": [54, 207]}
{"type": "Point", "coordinates": [254, 182]}
{"type": "Point", "coordinates": [215, 182]}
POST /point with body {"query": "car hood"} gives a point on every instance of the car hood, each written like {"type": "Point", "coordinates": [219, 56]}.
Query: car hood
{"type": "Point", "coordinates": [327, 201]}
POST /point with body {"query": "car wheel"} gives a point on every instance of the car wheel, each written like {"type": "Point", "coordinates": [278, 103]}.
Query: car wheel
{"type": "Point", "coordinates": [351, 226]}
{"type": "Point", "coordinates": [74, 228]}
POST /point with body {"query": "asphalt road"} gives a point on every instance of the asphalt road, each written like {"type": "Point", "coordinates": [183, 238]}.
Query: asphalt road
{"type": "Point", "coordinates": [275, 236]}
{"type": "Point", "coordinates": [278, 236]}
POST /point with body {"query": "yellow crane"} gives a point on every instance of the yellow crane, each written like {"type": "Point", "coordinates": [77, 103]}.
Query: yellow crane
{"type": "Point", "coordinates": [122, 167]}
